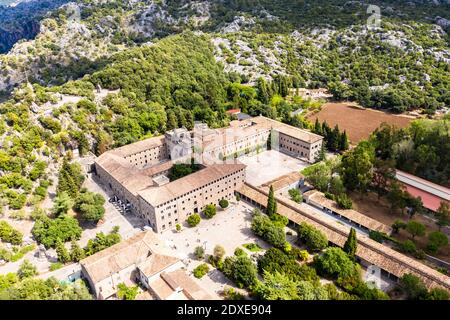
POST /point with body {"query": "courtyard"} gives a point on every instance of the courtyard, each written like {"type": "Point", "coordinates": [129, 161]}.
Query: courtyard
{"type": "Point", "coordinates": [230, 228]}
{"type": "Point", "coordinates": [269, 165]}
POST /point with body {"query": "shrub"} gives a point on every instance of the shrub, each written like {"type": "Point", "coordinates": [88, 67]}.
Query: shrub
{"type": "Point", "coordinates": [314, 239]}
{"type": "Point", "coordinates": [436, 240]}
{"type": "Point", "coordinates": [344, 201]}
{"type": "Point", "coordinates": [193, 220]}
{"type": "Point", "coordinates": [223, 203]}
{"type": "Point", "coordinates": [199, 252]}
{"type": "Point", "coordinates": [397, 225]}
{"type": "Point", "coordinates": [26, 270]}
{"type": "Point", "coordinates": [408, 247]}
{"type": "Point", "coordinates": [90, 205]}
{"type": "Point", "coordinates": [47, 231]}
{"type": "Point", "coordinates": [376, 235]}
{"type": "Point", "coordinates": [231, 294]}
{"type": "Point", "coordinates": [219, 252]}
{"type": "Point", "coordinates": [9, 234]}
{"type": "Point", "coordinates": [127, 293]}
{"type": "Point", "coordinates": [295, 195]}
{"type": "Point", "coordinates": [268, 230]}
{"type": "Point", "coordinates": [178, 227]}
{"type": "Point", "coordinates": [201, 270]}
{"type": "Point", "coordinates": [253, 247]}
{"type": "Point", "coordinates": [298, 254]}
{"type": "Point", "coordinates": [413, 286]}
{"type": "Point", "coordinates": [335, 263]}
{"type": "Point", "coordinates": [210, 211]}
{"type": "Point", "coordinates": [55, 266]}
{"type": "Point", "coordinates": [239, 252]}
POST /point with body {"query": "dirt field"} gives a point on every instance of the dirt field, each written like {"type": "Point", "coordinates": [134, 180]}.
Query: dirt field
{"type": "Point", "coordinates": [358, 122]}
{"type": "Point", "coordinates": [380, 211]}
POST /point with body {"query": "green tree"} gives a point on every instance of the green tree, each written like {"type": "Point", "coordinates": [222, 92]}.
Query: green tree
{"type": "Point", "coordinates": [357, 167]}
{"type": "Point", "coordinates": [397, 225]}
{"type": "Point", "coordinates": [90, 205]}
{"type": "Point", "coordinates": [244, 272]}
{"type": "Point", "coordinates": [193, 219]}
{"type": "Point", "coordinates": [443, 214]}
{"type": "Point", "coordinates": [415, 229]}
{"type": "Point", "coordinates": [47, 231]}
{"type": "Point", "coordinates": [343, 141]}
{"type": "Point", "coordinates": [271, 203]}
{"type": "Point", "coordinates": [350, 244]}
{"type": "Point", "coordinates": [127, 293]}
{"type": "Point", "coordinates": [61, 251]}
{"type": "Point", "coordinates": [413, 286]}
{"type": "Point", "coordinates": [62, 204]}
{"type": "Point", "coordinates": [76, 252]}
{"type": "Point", "coordinates": [314, 239]}
{"type": "Point", "coordinates": [223, 203]}
{"type": "Point", "coordinates": [438, 294]}
{"type": "Point", "coordinates": [436, 240]}
{"type": "Point", "coordinates": [26, 270]}
{"type": "Point", "coordinates": [334, 262]}
{"type": "Point", "coordinates": [277, 286]}
{"type": "Point", "coordinates": [210, 211]}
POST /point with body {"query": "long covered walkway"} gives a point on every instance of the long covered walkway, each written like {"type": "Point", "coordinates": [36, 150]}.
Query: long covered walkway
{"type": "Point", "coordinates": [391, 262]}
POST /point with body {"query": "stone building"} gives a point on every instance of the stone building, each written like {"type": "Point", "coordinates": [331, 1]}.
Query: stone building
{"type": "Point", "coordinates": [137, 173]}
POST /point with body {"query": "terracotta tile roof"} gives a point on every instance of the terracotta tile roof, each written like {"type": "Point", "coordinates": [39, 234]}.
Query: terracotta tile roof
{"type": "Point", "coordinates": [163, 290]}
{"type": "Point", "coordinates": [155, 263]}
{"type": "Point", "coordinates": [284, 181]}
{"type": "Point", "coordinates": [179, 279]}
{"type": "Point", "coordinates": [291, 131]}
{"type": "Point", "coordinates": [120, 256]}
{"type": "Point", "coordinates": [125, 173]}
{"type": "Point", "coordinates": [353, 215]}
{"type": "Point", "coordinates": [139, 146]}
{"type": "Point", "coordinates": [371, 251]}
{"type": "Point", "coordinates": [157, 196]}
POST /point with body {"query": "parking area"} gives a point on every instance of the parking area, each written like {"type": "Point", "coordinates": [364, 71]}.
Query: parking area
{"type": "Point", "coordinates": [269, 165]}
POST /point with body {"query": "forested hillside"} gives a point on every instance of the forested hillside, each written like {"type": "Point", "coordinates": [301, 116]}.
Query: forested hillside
{"type": "Point", "coordinates": [127, 70]}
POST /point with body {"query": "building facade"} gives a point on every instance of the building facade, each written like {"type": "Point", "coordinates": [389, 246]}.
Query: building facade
{"type": "Point", "coordinates": [137, 173]}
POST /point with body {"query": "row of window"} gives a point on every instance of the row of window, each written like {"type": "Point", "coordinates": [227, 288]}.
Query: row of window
{"type": "Point", "coordinates": [241, 174]}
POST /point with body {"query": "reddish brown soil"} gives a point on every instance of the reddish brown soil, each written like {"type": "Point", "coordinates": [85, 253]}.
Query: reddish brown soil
{"type": "Point", "coordinates": [358, 122]}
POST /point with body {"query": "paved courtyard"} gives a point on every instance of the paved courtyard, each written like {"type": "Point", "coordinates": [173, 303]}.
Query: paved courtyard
{"type": "Point", "coordinates": [129, 224]}
{"type": "Point", "coordinates": [269, 165]}
{"type": "Point", "coordinates": [230, 228]}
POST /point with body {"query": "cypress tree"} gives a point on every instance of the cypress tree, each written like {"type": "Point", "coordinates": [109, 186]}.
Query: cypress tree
{"type": "Point", "coordinates": [263, 95]}
{"type": "Point", "coordinates": [343, 143]}
{"type": "Point", "coordinates": [271, 203]}
{"type": "Point", "coordinates": [76, 252]}
{"type": "Point", "coordinates": [317, 127]}
{"type": "Point", "coordinates": [61, 251]}
{"type": "Point", "coordinates": [335, 137]}
{"type": "Point", "coordinates": [172, 121]}
{"type": "Point", "coordinates": [350, 244]}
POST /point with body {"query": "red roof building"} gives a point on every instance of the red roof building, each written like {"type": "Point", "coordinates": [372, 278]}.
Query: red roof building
{"type": "Point", "coordinates": [431, 194]}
